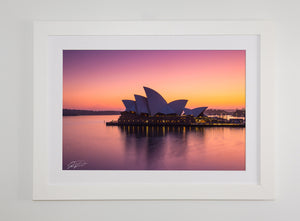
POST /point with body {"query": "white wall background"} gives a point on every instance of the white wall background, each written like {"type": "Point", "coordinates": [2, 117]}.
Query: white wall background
{"type": "Point", "coordinates": [16, 71]}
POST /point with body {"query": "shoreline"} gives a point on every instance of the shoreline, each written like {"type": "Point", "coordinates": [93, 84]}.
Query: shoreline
{"type": "Point", "coordinates": [113, 123]}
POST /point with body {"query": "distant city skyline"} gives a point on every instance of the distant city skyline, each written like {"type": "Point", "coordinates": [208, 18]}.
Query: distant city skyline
{"type": "Point", "coordinates": [100, 79]}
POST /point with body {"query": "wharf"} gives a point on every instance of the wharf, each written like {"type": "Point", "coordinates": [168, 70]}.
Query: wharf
{"type": "Point", "coordinates": [115, 123]}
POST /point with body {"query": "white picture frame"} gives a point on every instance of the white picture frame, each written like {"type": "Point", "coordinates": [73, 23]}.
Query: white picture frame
{"type": "Point", "coordinates": [46, 121]}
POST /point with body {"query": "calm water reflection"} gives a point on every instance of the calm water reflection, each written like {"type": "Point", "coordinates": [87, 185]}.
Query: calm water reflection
{"type": "Point", "coordinates": [88, 144]}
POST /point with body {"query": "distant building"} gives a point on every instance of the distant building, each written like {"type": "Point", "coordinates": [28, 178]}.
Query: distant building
{"type": "Point", "coordinates": [155, 104]}
{"type": "Point", "coordinates": [154, 110]}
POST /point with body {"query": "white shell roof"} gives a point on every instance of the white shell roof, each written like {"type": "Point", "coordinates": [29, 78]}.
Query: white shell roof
{"type": "Point", "coordinates": [187, 111]}
{"type": "Point", "coordinates": [194, 112]}
{"type": "Point", "coordinates": [178, 106]}
{"type": "Point", "coordinates": [198, 111]}
{"type": "Point", "coordinates": [141, 104]}
{"type": "Point", "coordinates": [130, 105]}
{"type": "Point", "coordinates": [167, 110]}
{"type": "Point", "coordinates": [155, 101]}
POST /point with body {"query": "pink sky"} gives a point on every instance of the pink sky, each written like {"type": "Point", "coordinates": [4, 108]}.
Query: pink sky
{"type": "Point", "coordinates": [100, 79]}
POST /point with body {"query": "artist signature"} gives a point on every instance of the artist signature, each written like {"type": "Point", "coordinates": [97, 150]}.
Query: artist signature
{"type": "Point", "coordinates": [76, 164]}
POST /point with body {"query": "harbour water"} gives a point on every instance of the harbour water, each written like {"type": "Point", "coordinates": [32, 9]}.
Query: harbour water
{"type": "Point", "coordinates": [88, 144]}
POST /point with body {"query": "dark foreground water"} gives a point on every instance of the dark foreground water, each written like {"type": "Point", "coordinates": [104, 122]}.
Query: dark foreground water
{"type": "Point", "coordinates": [88, 144]}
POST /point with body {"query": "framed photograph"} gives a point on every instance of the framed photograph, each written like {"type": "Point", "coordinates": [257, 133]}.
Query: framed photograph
{"type": "Point", "coordinates": [153, 110]}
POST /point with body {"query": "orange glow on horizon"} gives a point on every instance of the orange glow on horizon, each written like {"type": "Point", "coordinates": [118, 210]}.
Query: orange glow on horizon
{"type": "Point", "coordinates": [100, 80]}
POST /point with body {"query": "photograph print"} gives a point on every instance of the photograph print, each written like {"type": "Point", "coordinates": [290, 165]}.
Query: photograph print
{"type": "Point", "coordinates": [154, 110]}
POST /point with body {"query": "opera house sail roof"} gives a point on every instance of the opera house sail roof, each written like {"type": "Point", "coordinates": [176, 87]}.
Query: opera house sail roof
{"type": "Point", "coordinates": [155, 100]}
{"type": "Point", "coordinates": [130, 105]}
{"type": "Point", "coordinates": [178, 106]}
{"type": "Point", "coordinates": [141, 104]}
{"type": "Point", "coordinates": [154, 104]}
{"type": "Point", "coordinates": [194, 112]}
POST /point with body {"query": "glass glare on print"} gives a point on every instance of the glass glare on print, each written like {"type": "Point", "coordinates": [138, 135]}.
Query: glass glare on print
{"type": "Point", "coordinates": [190, 116]}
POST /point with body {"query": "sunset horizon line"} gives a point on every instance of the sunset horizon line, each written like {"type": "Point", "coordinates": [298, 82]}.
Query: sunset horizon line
{"type": "Point", "coordinates": [100, 80]}
{"type": "Point", "coordinates": [87, 109]}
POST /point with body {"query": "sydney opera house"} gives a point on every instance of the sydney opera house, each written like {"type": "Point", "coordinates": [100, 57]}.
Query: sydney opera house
{"type": "Point", "coordinates": [155, 110]}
